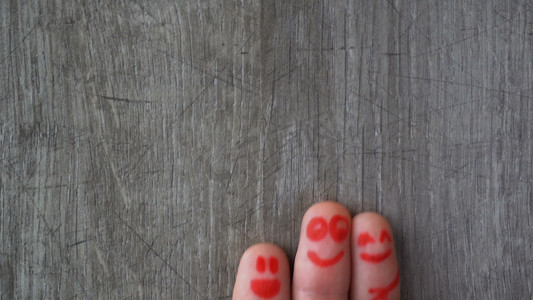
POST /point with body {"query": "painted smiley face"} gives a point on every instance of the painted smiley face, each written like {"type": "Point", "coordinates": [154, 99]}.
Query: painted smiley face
{"type": "Point", "coordinates": [365, 239]}
{"type": "Point", "coordinates": [266, 287]}
{"type": "Point", "coordinates": [318, 229]}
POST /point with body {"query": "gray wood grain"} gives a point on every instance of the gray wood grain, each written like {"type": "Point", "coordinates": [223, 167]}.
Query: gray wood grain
{"type": "Point", "coordinates": [144, 145]}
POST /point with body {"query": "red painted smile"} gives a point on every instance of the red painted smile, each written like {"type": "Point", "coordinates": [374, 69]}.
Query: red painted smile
{"type": "Point", "coordinates": [324, 262]}
{"type": "Point", "coordinates": [375, 258]}
{"type": "Point", "coordinates": [265, 288]}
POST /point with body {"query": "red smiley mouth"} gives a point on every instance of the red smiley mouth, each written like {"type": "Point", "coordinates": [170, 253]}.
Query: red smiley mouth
{"type": "Point", "coordinates": [265, 288]}
{"type": "Point", "coordinates": [324, 262]}
{"type": "Point", "coordinates": [375, 258]}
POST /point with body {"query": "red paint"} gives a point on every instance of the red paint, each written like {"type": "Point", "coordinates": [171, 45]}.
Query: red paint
{"type": "Point", "coordinates": [260, 265]}
{"type": "Point", "coordinates": [382, 293]}
{"type": "Point", "coordinates": [364, 239]}
{"type": "Point", "coordinates": [375, 258]}
{"type": "Point", "coordinates": [266, 287]}
{"type": "Point", "coordinates": [384, 236]}
{"type": "Point", "coordinates": [339, 228]}
{"type": "Point", "coordinates": [273, 263]}
{"type": "Point", "coordinates": [317, 229]}
{"type": "Point", "coordinates": [313, 256]}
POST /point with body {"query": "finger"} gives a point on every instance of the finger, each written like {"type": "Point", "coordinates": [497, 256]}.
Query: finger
{"type": "Point", "coordinates": [322, 264]}
{"type": "Point", "coordinates": [375, 273]}
{"type": "Point", "coordinates": [263, 274]}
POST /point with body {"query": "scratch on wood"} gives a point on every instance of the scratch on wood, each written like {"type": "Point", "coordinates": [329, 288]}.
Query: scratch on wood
{"type": "Point", "coordinates": [158, 255]}
{"type": "Point", "coordinates": [125, 100]}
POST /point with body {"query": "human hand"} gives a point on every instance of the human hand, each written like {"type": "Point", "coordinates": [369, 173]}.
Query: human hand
{"type": "Point", "coordinates": [338, 258]}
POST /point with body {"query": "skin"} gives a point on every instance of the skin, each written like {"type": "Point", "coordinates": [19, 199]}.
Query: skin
{"type": "Point", "coordinates": [338, 257]}
{"type": "Point", "coordinates": [248, 272]}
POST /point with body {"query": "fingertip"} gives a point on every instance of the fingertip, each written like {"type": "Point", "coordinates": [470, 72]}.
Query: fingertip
{"type": "Point", "coordinates": [322, 263]}
{"type": "Point", "coordinates": [326, 207]}
{"type": "Point", "coordinates": [375, 272]}
{"type": "Point", "coordinates": [369, 219]}
{"type": "Point", "coordinates": [263, 248]}
{"type": "Point", "coordinates": [263, 273]}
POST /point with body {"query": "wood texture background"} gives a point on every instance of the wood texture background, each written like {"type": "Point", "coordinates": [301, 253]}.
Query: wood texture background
{"type": "Point", "coordinates": [144, 145]}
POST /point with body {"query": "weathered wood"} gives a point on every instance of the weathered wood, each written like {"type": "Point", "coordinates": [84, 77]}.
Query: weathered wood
{"type": "Point", "coordinates": [145, 145]}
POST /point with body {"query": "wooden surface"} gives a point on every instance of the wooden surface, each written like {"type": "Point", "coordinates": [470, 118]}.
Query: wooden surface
{"type": "Point", "coordinates": [145, 145]}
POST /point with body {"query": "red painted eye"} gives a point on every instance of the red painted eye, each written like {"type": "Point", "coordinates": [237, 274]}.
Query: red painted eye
{"type": "Point", "coordinates": [365, 238]}
{"type": "Point", "coordinates": [260, 265]}
{"type": "Point", "coordinates": [339, 228]}
{"type": "Point", "coordinates": [317, 229]}
{"type": "Point", "coordinates": [273, 263]}
{"type": "Point", "coordinates": [384, 236]}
